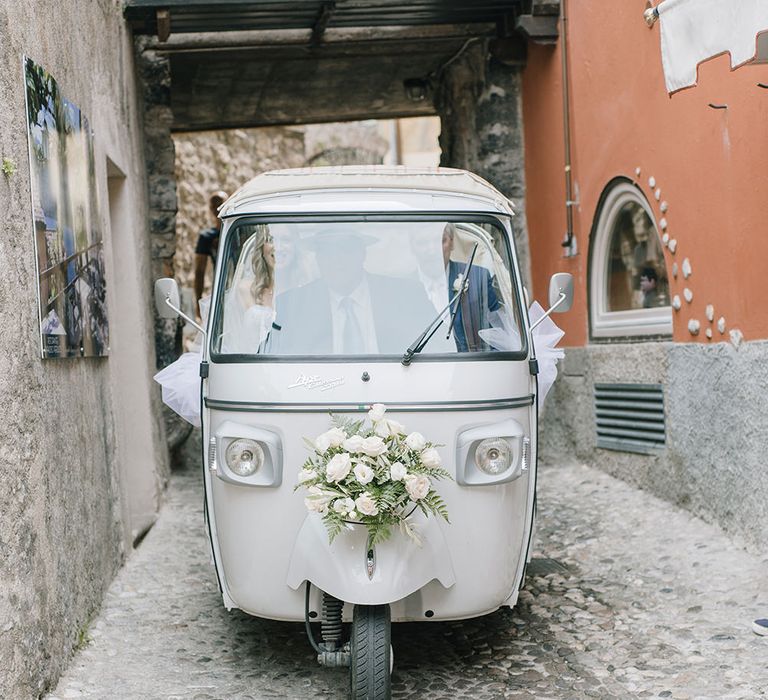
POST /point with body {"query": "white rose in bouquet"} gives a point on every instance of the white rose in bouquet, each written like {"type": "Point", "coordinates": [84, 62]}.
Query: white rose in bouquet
{"type": "Point", "coordinates": [397, 471]}
{"type": "Point", "coordinates": [317, 501]}
{"type": "Point", "coordinates": [366, 505]}
{"type": "Point", "coordinates": [369, 472]}
{"type": "Point", "coordinates": [344, 506]}
{"type": "Point", "coordinates": [377, 412]}
{"type": "Point", "coordinates": [338, 467]}
{"type": "Point", "coordinates": [322, 443]}
{"type": "Point", "coordinates": [363, 473]}
{"type": "Point", "coordinates": [430, 458]}
{"type": "Point", "coordinates": [336, 436]}
{"type": "Point", "coordinates": [417, 486]}
{"type": "Point", "coordinates": [373, 446]}
{"type": "Point", "coordinates": [415, 441]}
{"type": "Point", "coordinates": [386, 428]}
{"type": "Point", "coordinates": [306, 475]}
{"type": "Point", "coordinates": [353, 444]}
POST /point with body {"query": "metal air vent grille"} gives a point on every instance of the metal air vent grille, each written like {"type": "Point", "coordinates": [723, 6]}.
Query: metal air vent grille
{"type": "Point", "coordinates": [630, 417]}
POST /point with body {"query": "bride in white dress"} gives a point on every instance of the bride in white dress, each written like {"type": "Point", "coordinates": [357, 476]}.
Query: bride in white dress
{"type": "Point", "coordinates": [248, 317]}
{"type": "Point", "coordinates": [249, 305]}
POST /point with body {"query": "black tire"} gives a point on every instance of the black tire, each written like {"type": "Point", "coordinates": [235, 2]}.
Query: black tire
{"type": "Point", "coordinates": [371, 653]}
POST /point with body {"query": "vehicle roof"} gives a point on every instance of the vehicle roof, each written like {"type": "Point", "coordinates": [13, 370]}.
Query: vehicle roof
{"type": "Point", "coordinates": [361, 177]}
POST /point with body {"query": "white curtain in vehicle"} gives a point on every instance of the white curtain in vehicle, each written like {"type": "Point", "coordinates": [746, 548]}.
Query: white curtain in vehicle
{"type": "Point", "coordinates": [693, 31]}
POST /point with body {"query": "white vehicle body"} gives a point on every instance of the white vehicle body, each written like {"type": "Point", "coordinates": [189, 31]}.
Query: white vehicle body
{"type": "Point", "coordinates": [266, 545]}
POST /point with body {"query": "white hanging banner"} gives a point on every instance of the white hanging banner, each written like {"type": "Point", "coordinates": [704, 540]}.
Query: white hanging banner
{"type": "Point", "coordinates": [693, 31]}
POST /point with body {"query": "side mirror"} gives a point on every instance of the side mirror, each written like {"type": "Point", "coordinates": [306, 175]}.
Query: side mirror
{"type": "Point", "coordinates": [168, 303]}
{"type": "Point", "coordinates": [561, 283]}
{"type": "Point", "coordinates": [560, 295]}
{"type": "Point", "coordinates": [167, 299]}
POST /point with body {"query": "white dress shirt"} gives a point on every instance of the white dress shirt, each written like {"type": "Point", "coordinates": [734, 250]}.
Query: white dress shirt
{"type": "Point", "coordinates": [436, 288]}
{"type": "Point", "coordinates": [361, 298]}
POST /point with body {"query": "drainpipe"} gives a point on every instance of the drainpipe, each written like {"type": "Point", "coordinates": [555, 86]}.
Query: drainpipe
{"type": "Point", "coordinates": [395, 143]}
{"type": "Point", "coordinates": [568, 242]}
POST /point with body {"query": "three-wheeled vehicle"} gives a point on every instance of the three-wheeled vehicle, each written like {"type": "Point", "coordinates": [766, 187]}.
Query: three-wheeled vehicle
{"type": "Point", "coordinates": [338, 288]}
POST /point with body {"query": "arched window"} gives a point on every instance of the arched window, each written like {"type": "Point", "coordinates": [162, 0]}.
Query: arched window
{"type": "Point", "coordinates": [629, 287]}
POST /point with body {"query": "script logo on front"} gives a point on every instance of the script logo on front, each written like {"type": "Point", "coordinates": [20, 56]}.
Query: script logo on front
{"type": "Point", "coordinates": [313, 381]}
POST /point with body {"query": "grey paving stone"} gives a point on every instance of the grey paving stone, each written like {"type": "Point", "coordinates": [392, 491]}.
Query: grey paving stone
{"type": "Point", "coordinates": [627, 597]}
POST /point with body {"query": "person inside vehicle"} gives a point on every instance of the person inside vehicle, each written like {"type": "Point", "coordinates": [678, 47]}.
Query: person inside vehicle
{"type": "Point", "coordinates": [439, 275]}
{"type": "Point", "coordinates": [477, 303]}
{"type": "Point", "coordinates": [249, 307]}
{"type": "Point", "coordinates": [347, 310]}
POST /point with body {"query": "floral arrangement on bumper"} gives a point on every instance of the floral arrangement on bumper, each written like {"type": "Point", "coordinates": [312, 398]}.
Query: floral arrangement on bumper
{"type": "Point", "coordinates": [376, 475]}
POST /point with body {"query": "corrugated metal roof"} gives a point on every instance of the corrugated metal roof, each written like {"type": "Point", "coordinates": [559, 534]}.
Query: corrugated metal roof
{"type": "Point", "coordinates": [230, 15]}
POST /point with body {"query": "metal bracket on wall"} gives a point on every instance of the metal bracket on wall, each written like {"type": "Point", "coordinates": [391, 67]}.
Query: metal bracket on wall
{"type": "Point", "coordinates": [163, 24]}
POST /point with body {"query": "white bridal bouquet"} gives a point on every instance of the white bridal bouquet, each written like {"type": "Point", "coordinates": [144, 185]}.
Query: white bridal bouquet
{"type": "Point", "coordinates": [376, 476]}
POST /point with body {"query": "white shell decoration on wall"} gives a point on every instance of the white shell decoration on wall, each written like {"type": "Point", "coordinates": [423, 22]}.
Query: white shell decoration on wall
{"type": "Point", "coordinates": [687, 268]}
{"type": "Point", "coordinates": [736, 337]}
{"type": "Point", "coordinates": [665, 239]}
{"type": "Point", "coordinates": [676, 304]}
{"type": "Point", "coordinates": [638, 171]}
{"type": "Point", "coordinates": [688, 294]}
{"type": "Point", "coordinates": [672, 245]}
{"type": "Point", "coordinates": [652, 182]}
{"type": "Point", "coordinates": [721, 324]}
{"type": "Point", "coordinates": [664, 207]}
{"type": "Point", "coordinates": [710, 312]}
{"type": "Point", "coordinates": [708, 333]}
{"type": "Point", "coordinates": [657, 193]}
{"type": "Point", "coordinates": [663, 224]}
{"type": "Point", "coordinates": [694, 326]}
{"type": "Point", "coordinates": [674, 270]}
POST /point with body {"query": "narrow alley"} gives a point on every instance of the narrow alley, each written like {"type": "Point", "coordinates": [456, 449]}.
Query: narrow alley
{"type": "Point", "coordinates": [627, 596]}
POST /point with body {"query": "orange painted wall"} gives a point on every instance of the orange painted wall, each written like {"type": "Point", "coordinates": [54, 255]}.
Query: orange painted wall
{"type": "Point", "coordinates": [711, 165]}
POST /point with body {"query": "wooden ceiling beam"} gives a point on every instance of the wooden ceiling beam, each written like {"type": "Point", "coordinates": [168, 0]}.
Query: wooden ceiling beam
{"type": "Point", "coordinates": [203, 41]}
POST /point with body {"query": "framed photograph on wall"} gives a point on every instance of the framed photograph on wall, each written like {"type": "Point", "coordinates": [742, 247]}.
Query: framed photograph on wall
{"type": "Point", "coordinates": [67, 224]}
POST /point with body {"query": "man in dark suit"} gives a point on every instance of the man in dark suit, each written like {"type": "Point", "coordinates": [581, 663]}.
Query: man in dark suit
{"type": "Point", "coordinates": [348, 311]}
{"type": "Point", "coordinates": [440, 279]}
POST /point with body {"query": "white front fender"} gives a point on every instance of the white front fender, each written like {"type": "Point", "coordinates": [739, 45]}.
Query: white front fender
{"type": "Point", "coordinates": [400, 568]}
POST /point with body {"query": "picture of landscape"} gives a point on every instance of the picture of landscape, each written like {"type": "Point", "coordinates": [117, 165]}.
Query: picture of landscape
{"type": "Point", "coordinates": [67, 227]}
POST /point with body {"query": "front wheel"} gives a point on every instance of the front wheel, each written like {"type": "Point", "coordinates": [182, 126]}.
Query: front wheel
{"type": "Point", "coordinates": [371, 653]}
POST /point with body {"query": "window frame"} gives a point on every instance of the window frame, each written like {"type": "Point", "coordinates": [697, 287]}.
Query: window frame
{"type": "Point", "coordinates": [631, 323]}
{"type": "Point", "coordinates": [497, 219]}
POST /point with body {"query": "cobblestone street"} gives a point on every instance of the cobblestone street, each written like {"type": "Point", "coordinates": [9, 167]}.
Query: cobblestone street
{"type": "Point", "coordinates": [627, 597]}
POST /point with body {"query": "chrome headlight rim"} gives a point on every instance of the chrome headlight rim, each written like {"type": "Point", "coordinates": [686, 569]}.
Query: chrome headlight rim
{"type": "Point", "coordinates": [494, 456]}
{"type": "Point", "coordinates": [244, 457]}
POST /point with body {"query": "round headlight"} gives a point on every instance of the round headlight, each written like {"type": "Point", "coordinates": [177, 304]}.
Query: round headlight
{"type": "Point", "coordinates": [244, 457]}
{"type": "Point", "coordinates": [493, 456]}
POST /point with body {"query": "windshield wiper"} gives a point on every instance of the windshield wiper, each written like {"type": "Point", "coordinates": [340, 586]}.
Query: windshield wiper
{"type": "Point", "coordinates": [463, 287]}
{"type": "Point", "coordinates": [418, 345]}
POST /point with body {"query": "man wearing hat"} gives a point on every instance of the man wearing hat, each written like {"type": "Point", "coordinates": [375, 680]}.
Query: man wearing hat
{"type": "Point", "coordinates": [348, 311]}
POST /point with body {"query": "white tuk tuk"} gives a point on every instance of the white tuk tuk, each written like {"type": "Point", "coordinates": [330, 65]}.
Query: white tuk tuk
{"type": "Point", "coordinates": [386, 302]}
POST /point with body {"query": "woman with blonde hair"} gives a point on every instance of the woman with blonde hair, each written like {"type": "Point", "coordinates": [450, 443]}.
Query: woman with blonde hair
{"type": "Point", "coordinates": [248, 317]}
{"type": "Point", "coordinates": [249, 309]}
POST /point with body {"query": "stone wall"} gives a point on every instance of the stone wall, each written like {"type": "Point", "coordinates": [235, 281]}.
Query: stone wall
{"type": "Point", "coordinates": [207, 161]}
{"type": "Point", "coordinates": [73, 431]}
{"type": "Point", "coordinates": [154, 73]}
{"type": "Point", "coordinates": [715, 462]}
{"type": "Point", "coordinates": [479, 100]}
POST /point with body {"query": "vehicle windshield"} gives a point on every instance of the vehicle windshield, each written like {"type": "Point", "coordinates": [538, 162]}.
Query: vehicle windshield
{"type": "Point", "coordinates": [364, 288]}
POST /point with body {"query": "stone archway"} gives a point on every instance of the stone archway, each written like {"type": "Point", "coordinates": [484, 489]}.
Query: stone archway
{"type": "Point", "coordinates": [326, 61]}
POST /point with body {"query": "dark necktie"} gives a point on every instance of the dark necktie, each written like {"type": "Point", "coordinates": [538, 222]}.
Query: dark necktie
{"type": "Point", "coordinates": [352, 335]}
